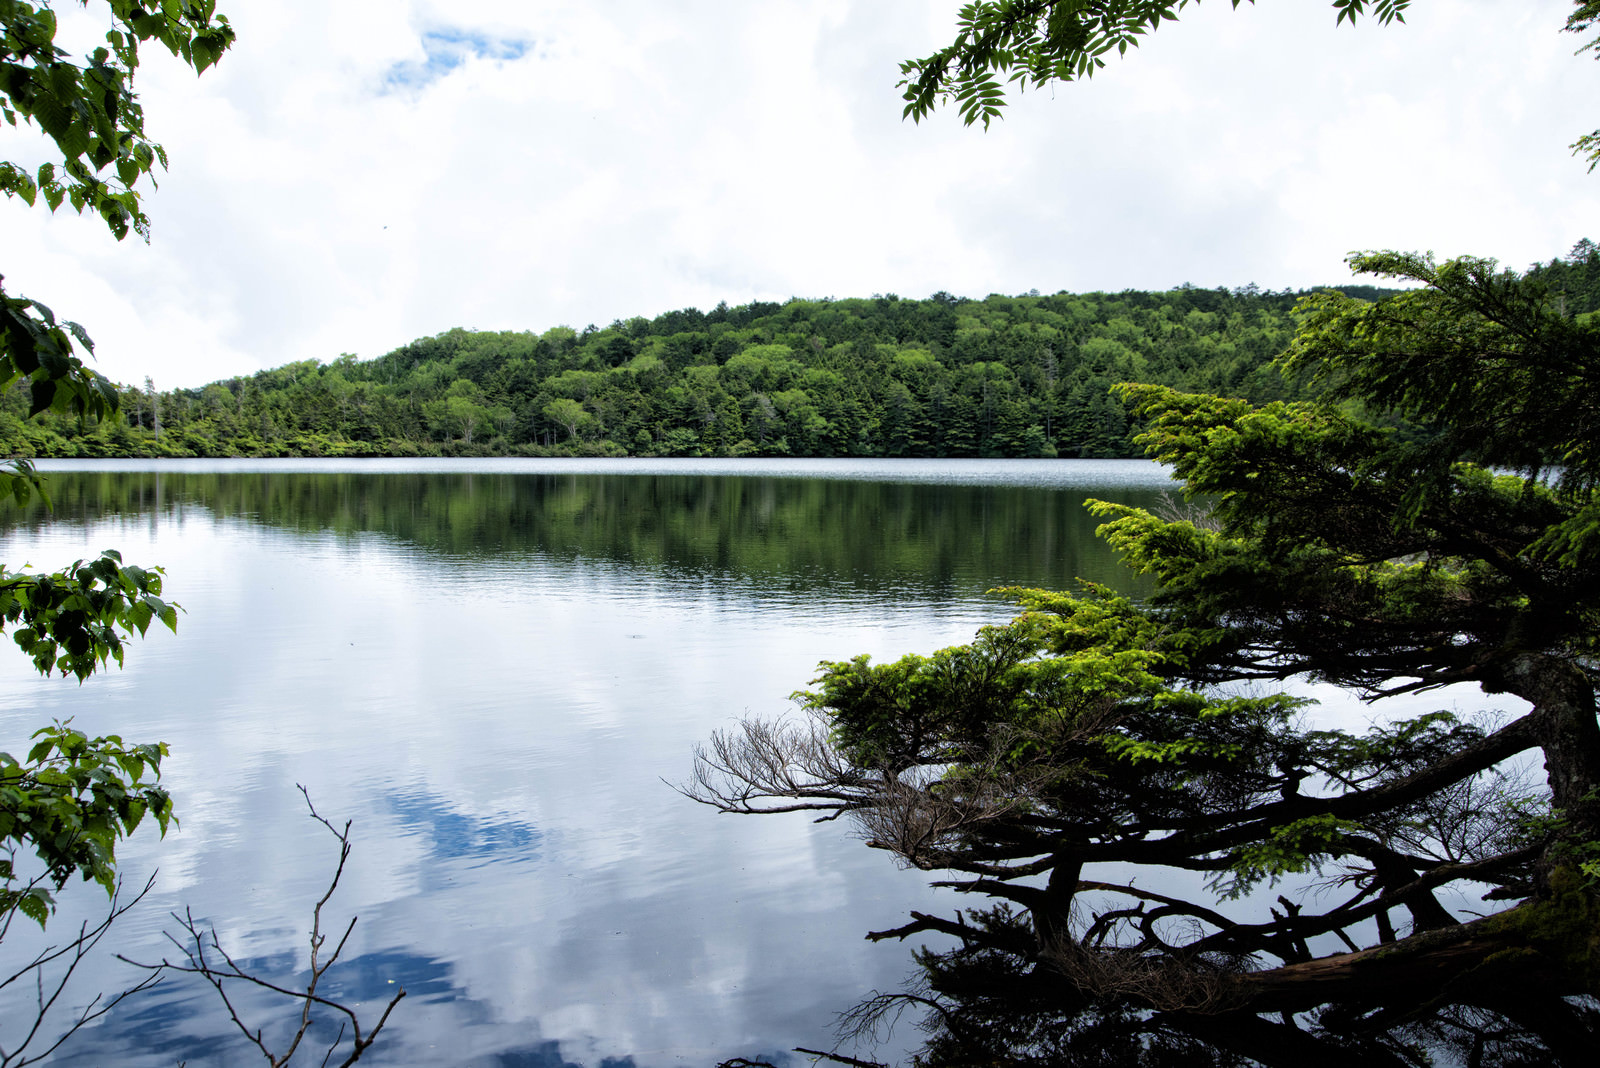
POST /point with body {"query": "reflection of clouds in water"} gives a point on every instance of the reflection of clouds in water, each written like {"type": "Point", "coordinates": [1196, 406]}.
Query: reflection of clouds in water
{"type": "Point", "coordinates": [452, 835]}
{"type": "Point", "coordinates": [183, 1018]}
{"type": "Point", "coordinates": [499, 741]}
{"type": "Point", "coordinates": [669, 955]}
{"type": "Point", "coordinates": [441, 1022]}
{"type": "Point", "coordinates": [498, 727]}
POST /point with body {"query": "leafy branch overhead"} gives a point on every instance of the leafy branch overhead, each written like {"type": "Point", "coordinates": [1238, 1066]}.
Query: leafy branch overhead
{"type": "Point", "coordinates": [1583, 20]}
{"type": "Point", "coordinates": [74, 797]}
{"type": "Point", "coordinates": [36, 348]}
{"type": "Point", "coordinates": [71, 799]}
{"type": "Point", "coordinates": [1032, 43]}
{"type": "Point", "coordinates": [76, 619]}
{"type": "Point", "coordinates": [88, 110]}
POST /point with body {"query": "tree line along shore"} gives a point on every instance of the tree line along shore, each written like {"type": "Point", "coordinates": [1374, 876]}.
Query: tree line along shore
{"type": "Point", "coordinates": [883, 376]}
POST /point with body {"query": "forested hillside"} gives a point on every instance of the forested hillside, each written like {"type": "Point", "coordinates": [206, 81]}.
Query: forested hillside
{"type": "Point", "coordinates": [881, 376]}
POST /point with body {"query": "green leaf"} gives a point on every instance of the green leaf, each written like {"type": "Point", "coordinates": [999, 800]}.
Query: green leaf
{"type": "Point", "coordinates": [35, 903]}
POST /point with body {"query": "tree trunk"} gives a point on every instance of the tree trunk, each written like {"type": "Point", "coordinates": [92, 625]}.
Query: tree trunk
{"type": "Point", "coordinates": [1467, 962]}
{"type": "Point", "coordinates": [1564, 723]}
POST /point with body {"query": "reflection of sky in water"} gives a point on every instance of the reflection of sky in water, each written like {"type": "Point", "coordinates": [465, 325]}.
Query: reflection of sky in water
{"type": "Point", "coordinates": [1076, 474]}
{"type": "Point", "coordinates": [498, 727]}
{"type": "Point", "coordinates": [501, 726]}
{"type": "Point", "coordinates": [455, 836]}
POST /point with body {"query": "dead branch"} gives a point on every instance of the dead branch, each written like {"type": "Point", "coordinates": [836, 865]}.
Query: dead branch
{"type": "Point", "coordinates": [839, 1058]}
{"type": "Point", "coordinates": [922, 814]}
{"type": "Point", "coordinates": [1199, 983]}
{"type": "Point", "coordinates": [773, 759]}
{"type": "Point", "coordinates": [204, 956]}
{"type": "Point", "coordinates": [1175, 508]}
{"type": "Point", "coordinates": [875, 1017]}
{"type": "Point", "coordinates": [47, 993]}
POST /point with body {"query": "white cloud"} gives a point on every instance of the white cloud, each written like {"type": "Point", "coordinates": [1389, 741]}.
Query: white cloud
{"type": "Point", "coordinates": [353, 176]}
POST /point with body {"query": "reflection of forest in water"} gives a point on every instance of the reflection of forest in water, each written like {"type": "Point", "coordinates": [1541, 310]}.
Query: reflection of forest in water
{"type": "Point", "coordinates": [783, 531]}
{"type": "Point", "coordinates": [448, 657]}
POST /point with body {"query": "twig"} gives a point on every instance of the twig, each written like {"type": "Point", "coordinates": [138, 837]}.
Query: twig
{"type": "Point", "coordinates": [199, 939]}
{"type": "Point", "coordinates": [45, 997]}
{"type": "Point", "coordinates": [841, 1058]}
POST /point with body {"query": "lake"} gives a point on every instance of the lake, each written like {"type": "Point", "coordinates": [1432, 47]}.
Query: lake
{"type": "Point", "coordinates": [496, 669]}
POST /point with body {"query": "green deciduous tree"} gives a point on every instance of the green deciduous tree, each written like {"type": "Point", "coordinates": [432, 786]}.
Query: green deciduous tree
{"type": "Point", "coordinates": [1122, 782]}
{"type": "Point", "coordinates": [72, 798]}
{"type": "Point", "coordinates": [75, 620]}
{"type": "Point", "coordinates": [89, 112]}
{"type": "Point", "coordinates": [566, 413]}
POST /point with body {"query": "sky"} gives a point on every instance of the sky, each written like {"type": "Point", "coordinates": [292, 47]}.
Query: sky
{"type": "Point", "coordinates": [356, 175]}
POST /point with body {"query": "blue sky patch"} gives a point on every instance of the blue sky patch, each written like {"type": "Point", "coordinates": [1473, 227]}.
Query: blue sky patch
{"type": "Point", "coordinates": [447, 49]}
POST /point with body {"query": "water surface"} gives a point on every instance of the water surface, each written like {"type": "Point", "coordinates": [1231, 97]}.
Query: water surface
{"type": "Point", "coordinates": [495, 669]}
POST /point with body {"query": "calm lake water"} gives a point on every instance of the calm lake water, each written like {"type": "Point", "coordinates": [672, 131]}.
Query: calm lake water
{"type": "Point", "coordinates": [495, 669]}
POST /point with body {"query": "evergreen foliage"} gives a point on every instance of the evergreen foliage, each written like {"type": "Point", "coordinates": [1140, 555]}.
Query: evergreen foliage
{"type": "Point", "coordinates": [1118, 778]}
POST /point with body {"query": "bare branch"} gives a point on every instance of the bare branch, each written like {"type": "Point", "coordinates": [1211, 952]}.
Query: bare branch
{"type": "Point", "coordinates": [48, 993]}
{"type": "Point", "coordinates": [774, 758]}
{"type": "Point", "coordinates": [839, 1058]}
{"type": "Point", "coordinates": [222, 970]}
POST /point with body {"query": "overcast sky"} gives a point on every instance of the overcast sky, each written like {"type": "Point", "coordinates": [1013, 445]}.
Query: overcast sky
{"type": "Point", "coordinates": [357, 174]}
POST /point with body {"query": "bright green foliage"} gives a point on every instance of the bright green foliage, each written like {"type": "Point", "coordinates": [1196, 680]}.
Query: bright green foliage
{"type": "Point", "coordinates": [91, 114]}
{"type": "Point", "coordinates": [1035, 42]}
{"type": "Point", "coordinates": [90, 110]}
{"type": "Point", "coordinates": [1072, 711]}
{"type": "Point", "coordinates": [566, 413]}
{"type": "Point", "coordinates": [71, 800]}
{"type": "Point", "coordinates": [1078, 668]}
{"type": "Point", "coordinates": [1582, 20]}
{"type": "Point", "coordinates": [1095, 732]}
{"type": "Point", "coordinates": [1002, 376]}
{"type": "Point", "coordinates": [1462, 355]}
{"type": "Point", "coordinates": [1291, 849]}
{"type": "Point", "coordinates": [76, 619]}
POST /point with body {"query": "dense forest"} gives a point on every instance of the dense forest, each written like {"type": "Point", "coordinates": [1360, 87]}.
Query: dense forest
{"type": "Point", "coordinates": [880, 376]}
